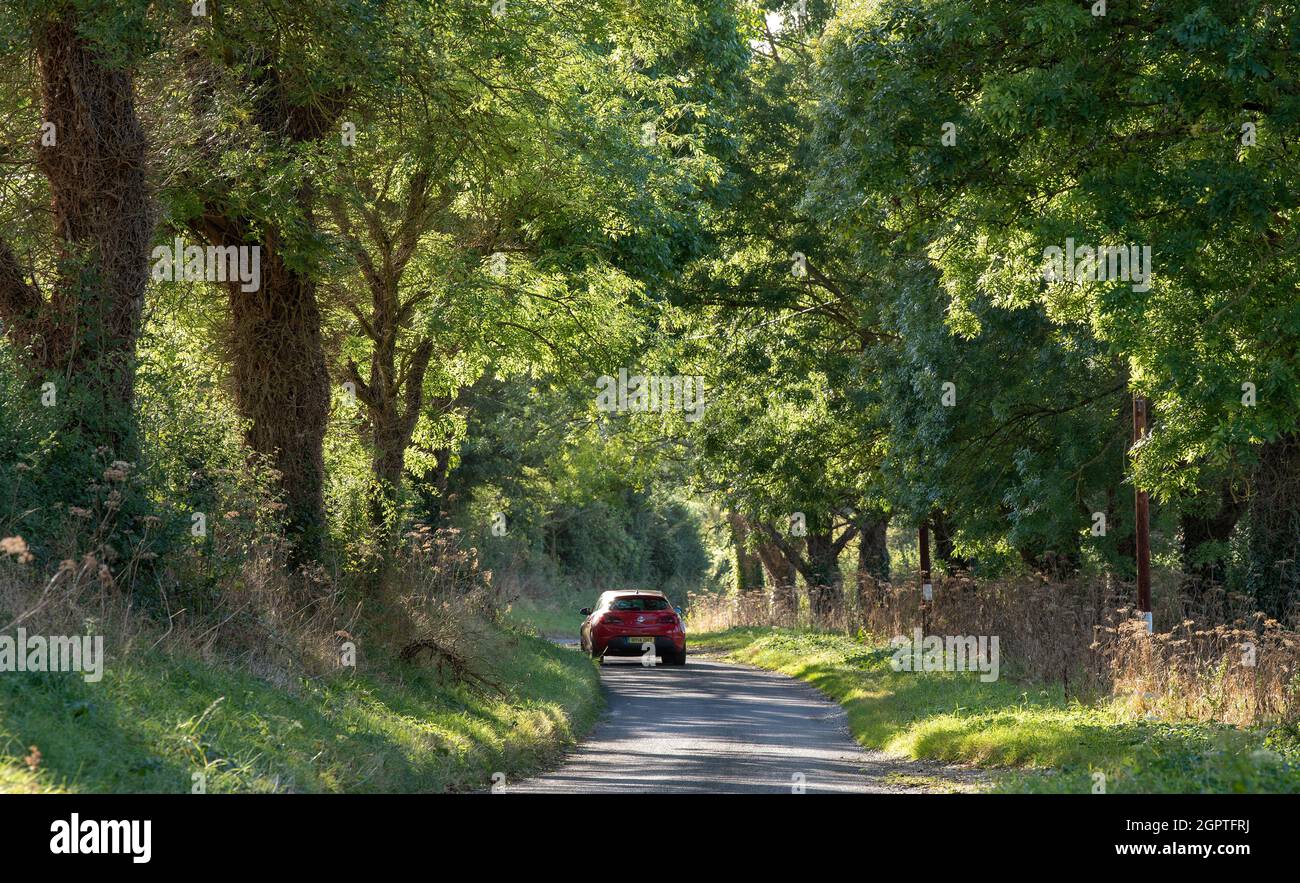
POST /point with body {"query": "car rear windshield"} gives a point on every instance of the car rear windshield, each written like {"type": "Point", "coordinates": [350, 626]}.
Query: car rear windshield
{"type": "Point", "coordinates": [638, 604]}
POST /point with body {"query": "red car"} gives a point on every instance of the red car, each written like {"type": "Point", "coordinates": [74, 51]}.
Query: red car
{"type": "Point", "coordinates": [624, 622]}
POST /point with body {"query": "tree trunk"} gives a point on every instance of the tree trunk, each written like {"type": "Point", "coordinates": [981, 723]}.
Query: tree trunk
{"type": "Point", "coordinates": [83, 337]}
{"type": "Point", "coordinates": [282, 388]}
{"type": "Point", "coordinates": [747, 568]}
{"type": "Point", "coordinates": [819, 567]}
{"type": "Point", "coordinates": [393, 391]}
{"type": "Point", "coordinates": [392, 421]}
{"type": "Point", "coordinates": [781, 579]}
{"type": "Point", "coordinates": [825, 582]}
{"type": "Point", "coordinates": [943, 544]}
{"type": "Point", "coordinates": [873, 562]}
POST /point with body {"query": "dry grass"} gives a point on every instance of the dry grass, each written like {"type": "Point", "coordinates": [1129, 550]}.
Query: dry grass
{"type": "Point", "coordinates": [1213, 659]}
{"type": "Point", "coordinates": [265, 618]}
{"type": "Point", "coordinates": [437, 603]}
{"type": "Point", "coordinates": [222, 592]}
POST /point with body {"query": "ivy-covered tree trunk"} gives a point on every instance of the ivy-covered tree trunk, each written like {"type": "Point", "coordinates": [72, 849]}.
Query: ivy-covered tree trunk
{"type": "Point", "coordinates": [873, 562]}
{"type": "Point", "coordinates": [282, 387]}
{"type": "Point", "coordinates": [783, 596]}
{"type": "Point", "coordinates": [747, 568]}
{"type": "Point", "coordinates": [822, 573]}
{"type": "Point", "coordinates": [278, 367]}
{"type": "Point", "coordinates": [282, 390]}
{"type": "Point", "coordinates": [82, 336]}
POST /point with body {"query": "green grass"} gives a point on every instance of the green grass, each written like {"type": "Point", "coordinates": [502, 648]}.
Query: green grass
{"type": "Point", "coordinates": [551, 616]}
{"type": "Point", "coordinates": [154, 720]}
{"type": "Point", "coordinates": [1034, 736]}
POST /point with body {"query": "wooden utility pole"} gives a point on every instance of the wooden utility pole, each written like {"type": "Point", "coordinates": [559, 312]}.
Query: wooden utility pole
{"type": "Point", "coordinates": [1142, 508]}
{"type": "Point", "coordinates": [927, 588]}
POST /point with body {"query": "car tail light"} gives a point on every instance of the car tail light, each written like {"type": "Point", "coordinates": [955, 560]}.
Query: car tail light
{"type": "Point", "coordinates": [668, 618]}
{"type": "Point", "coordinates": [612, 619]}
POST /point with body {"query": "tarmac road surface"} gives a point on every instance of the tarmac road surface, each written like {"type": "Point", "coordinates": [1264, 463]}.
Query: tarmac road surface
{"type": "Point", "coordinates": [715, 727]}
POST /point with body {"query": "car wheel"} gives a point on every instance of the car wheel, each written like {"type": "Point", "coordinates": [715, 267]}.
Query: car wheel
{"type": "Point", "coordinates": [675, 658]}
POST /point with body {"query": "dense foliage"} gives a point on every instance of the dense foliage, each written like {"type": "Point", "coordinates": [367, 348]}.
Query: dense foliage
{"type": "Point", "coordinates": [838, 240]}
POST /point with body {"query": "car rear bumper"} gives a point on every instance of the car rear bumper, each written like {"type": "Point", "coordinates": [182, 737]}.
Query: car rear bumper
{"type": "Point", "coordinates": [619, 645]}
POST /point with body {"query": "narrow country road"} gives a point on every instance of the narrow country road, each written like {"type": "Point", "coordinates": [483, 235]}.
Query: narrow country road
{"type": "Point", "coordinates": [715, 727]}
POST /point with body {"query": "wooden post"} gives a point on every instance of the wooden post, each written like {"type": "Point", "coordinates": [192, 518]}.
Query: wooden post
{"type": "Point", "coordinates": [927, 588]}
{"type": "Point", "coordinates": [1142, 510]}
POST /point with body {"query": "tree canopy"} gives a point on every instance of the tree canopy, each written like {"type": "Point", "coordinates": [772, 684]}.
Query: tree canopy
{"type": "Point", "coordinates": [676, 292]}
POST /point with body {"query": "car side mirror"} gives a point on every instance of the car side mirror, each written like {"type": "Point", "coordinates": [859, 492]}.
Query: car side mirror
{"type": "Point", "coordinates": [586, 611]}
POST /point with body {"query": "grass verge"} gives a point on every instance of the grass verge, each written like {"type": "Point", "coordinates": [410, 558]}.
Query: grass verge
{"type": "Point", "coordinates": [554, 617]}
{"type": "Point", "coordinates": [1036, 738]}
{"type": "Point", "coordinates": [155, 720]}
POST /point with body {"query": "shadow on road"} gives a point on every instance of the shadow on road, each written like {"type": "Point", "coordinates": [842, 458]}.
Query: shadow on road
{"type": "Point", "coordinates": [714, 727]}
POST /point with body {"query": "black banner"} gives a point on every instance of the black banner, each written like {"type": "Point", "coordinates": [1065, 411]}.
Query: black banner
{"type": "Point", "coordinates": [565, 833]}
